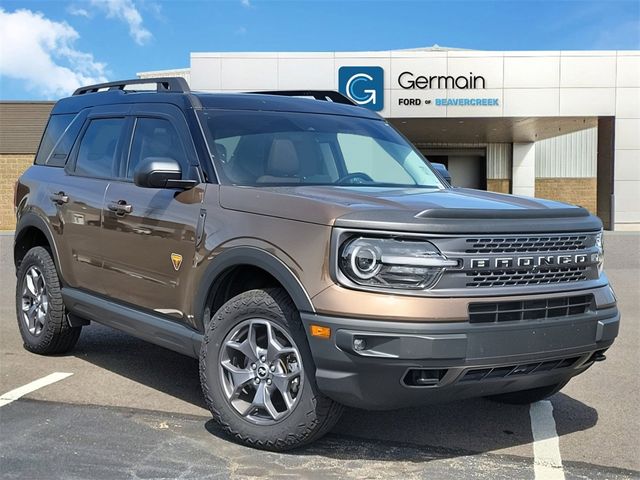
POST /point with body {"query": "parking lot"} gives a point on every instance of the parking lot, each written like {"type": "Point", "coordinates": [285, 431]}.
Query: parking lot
{"type": "Point", "coordinates": [133, 410]}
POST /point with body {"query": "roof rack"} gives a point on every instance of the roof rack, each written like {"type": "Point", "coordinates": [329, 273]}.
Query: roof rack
{"type": "Point", "coordinates": [325, 95]}
{"type": "Point", "coordinates": [163, 85]}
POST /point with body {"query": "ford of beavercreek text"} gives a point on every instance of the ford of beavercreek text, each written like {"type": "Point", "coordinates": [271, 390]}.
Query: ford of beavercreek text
{"type": "Point", "coordinates": [305, 252]}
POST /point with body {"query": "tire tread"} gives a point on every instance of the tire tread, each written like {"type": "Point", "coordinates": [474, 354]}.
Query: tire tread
{"type": "Point", "coordinates": [57, 336]}
{"type": "Point", "coordinates": [325, 412]}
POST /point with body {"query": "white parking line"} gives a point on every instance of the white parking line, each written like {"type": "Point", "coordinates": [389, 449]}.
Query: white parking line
{"type": "Point", "coordinates": [547, 462]}
{"type": "Point", "coordinates": [15, 394]}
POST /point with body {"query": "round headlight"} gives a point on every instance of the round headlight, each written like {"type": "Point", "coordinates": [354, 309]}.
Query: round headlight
{"type": "Point", "coordinates": [365, 261]}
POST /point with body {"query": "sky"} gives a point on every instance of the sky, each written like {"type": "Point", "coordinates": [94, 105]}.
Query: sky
{"type": "Point", "coordinates": [49, 47]}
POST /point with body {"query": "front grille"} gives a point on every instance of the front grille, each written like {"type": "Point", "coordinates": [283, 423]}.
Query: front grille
{"type": "Point", "coordinates": [512, 278]}
{"type": "Point", "coordinates": [479, 374]}
{"type": "Point", "coordinates": [558, 307]}
{"type": "Point", "coordinates": [527, 244]}
{"type": "Point", "coordinates": [509, 263]}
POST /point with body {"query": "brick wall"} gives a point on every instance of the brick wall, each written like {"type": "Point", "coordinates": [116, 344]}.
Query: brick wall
{"type": "Point", "coordinates": [577, 191]}
{"type": "Point", "coordinates": [21, 126]}
{"type": "Point", "coordinates": [500, 185]}
{"type": "Point", "coordinates": [11, 167]}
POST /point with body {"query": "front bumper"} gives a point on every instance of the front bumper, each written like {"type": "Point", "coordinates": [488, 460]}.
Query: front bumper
{"type": "Point", "coordinates": [410, 363]}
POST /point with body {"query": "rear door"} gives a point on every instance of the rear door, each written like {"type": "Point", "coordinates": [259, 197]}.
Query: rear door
{"type": "Point", "coordinates": [150, 233]}
{"type": "Point", "coordinates": [78, 194]}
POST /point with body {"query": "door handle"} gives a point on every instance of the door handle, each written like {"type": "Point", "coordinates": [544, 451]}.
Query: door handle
{"type": "Point", "coordinates": [121, 207]}
{"type": "Point", "coordinates": [59, 198]}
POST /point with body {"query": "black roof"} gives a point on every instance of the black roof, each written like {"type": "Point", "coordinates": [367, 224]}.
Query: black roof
{"type": "Point", "coordinates": [175, 91]}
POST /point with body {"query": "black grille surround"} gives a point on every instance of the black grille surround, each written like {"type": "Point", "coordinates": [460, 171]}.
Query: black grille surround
{"type": "Point", "coordinates": [545, 308]}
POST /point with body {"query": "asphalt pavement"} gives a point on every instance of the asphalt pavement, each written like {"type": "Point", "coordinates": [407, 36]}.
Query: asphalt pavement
{"type": "Point", "coordinates": [134, 410]}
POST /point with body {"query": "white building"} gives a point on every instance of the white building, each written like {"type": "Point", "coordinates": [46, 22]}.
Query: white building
{"type": "Point", "coordinates": [554, 124]}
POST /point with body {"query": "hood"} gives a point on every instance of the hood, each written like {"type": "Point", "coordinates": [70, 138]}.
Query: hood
{"type": "Point", "coordinates": [453, 210]}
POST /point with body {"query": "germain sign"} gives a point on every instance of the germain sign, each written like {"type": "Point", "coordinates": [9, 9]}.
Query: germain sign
{"type": "Point", "coordinates": [408, 80]}
{"type": "Point", "coordinates": [365, 86]}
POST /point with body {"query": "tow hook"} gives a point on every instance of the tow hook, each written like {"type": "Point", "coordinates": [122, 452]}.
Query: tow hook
{"type": "Point", "coordinates": [599, 357]}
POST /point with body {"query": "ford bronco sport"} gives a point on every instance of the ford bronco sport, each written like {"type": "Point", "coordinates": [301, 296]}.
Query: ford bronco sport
{"type": "Point", "coordinates": [305, 252]}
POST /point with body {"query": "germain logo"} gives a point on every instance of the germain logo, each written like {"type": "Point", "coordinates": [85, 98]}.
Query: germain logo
{"type": "Point", "coordinates": [408, 81]}
{"type": "Point", "coordinates": [363, 85]}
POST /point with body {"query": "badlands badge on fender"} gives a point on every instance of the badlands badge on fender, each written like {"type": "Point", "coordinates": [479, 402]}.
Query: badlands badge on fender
{"type": "Point", "coordinates": [176, 259]}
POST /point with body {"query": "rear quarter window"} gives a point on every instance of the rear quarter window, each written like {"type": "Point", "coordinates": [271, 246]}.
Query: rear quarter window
{"type": "Point", "coordinates": [56, 127]}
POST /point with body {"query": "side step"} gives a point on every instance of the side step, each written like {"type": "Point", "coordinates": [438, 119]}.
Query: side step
{"type": "Point", "coordinates": [146, 326]}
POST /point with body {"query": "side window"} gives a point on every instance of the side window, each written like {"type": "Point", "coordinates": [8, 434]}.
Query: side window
{"type": "Point", "coordinates": [55, 128]}
{"type": "Point", "coordinates": [97, 151]}
{"type": "Point", "coordinates": [155, 137]}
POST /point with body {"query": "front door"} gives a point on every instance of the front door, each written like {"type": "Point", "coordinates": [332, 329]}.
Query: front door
{"type": "Point", "coordinates": [150, 233]}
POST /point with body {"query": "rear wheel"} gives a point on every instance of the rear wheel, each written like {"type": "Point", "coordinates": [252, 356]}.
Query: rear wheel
{"type": "Point", "coordinates": [524, 397]}
{"type": "Point", "coordinates": [258, 375]}
{"type": "Point", "coordinates": [41, 314]}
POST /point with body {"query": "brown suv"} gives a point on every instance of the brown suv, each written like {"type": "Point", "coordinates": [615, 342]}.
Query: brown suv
{"type": "Point", "coordinates": [305, 252]}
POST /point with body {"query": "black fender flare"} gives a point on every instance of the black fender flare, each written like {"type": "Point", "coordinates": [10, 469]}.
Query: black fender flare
{"type": "Point", "coordinates": [255, 257]}
{"type": "Point", "coordinates": [30, 219]}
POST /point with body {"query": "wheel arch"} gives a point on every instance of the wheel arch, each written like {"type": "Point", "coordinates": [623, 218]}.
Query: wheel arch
{"type": "Point", "coordinates": [32, 231]}
{"type": "Point", "coordinates": [248, 257]}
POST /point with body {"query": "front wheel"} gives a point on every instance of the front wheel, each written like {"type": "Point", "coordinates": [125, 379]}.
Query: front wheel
{"type": "Point", "coordinates": [41, 314]}
{"type": "Point", "coordinates": [524, 397]}
{"type": "Point", "coordinates": [258, 376]}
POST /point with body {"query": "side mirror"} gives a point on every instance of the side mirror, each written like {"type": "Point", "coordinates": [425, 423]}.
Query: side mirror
{"type": "Point", "coordinates": [442, 170]}
{"type": "Point", "coordinates": [160, 172]}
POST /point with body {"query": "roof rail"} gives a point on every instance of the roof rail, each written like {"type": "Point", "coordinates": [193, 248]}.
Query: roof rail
{"type": "Point", "coordinates": [325, 95]}
{"type": "Point", "coordinates": [163, 85]}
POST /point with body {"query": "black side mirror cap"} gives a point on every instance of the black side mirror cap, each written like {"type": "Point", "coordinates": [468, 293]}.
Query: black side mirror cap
{"type": "Point", "coordinates": [442, 170]}
{"type": "Point", "coordinates": [161, 172]}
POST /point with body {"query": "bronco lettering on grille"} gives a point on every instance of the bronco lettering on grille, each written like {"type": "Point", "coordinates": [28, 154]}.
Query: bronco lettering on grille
{"type": "Point", "coordinates": [525, 262]}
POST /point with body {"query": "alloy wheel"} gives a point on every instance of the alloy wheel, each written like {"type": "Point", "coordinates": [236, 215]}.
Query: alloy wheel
{"type": "Point", "coordinates": [261, 371]}
{"type": "Point", "coordinates": [35, 300]}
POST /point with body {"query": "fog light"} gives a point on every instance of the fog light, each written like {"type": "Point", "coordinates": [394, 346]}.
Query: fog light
{"type": "Point", "coordinates": [359, 344]}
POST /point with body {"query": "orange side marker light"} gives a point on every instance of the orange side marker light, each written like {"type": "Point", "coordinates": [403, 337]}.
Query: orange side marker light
{"type": "Point", "coordinates": [320, 331]}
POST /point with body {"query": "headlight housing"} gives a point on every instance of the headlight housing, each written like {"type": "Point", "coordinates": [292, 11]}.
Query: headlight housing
{"type": "Point", "coordinates": [600, 247]}
{"type": "Point", "coordinates": [391, 263]}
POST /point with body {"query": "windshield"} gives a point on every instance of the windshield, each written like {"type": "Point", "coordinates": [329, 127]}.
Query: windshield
{"type": "Point", "coordinates": [282, 148]}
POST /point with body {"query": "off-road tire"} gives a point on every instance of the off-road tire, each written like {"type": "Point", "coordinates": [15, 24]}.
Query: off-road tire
{"type": "Point", "coordinates": [313, 415]}
{"type": "Point", "coordinates": [57, 336]}
{"type": "Point", "coordinates": [524, 397]}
